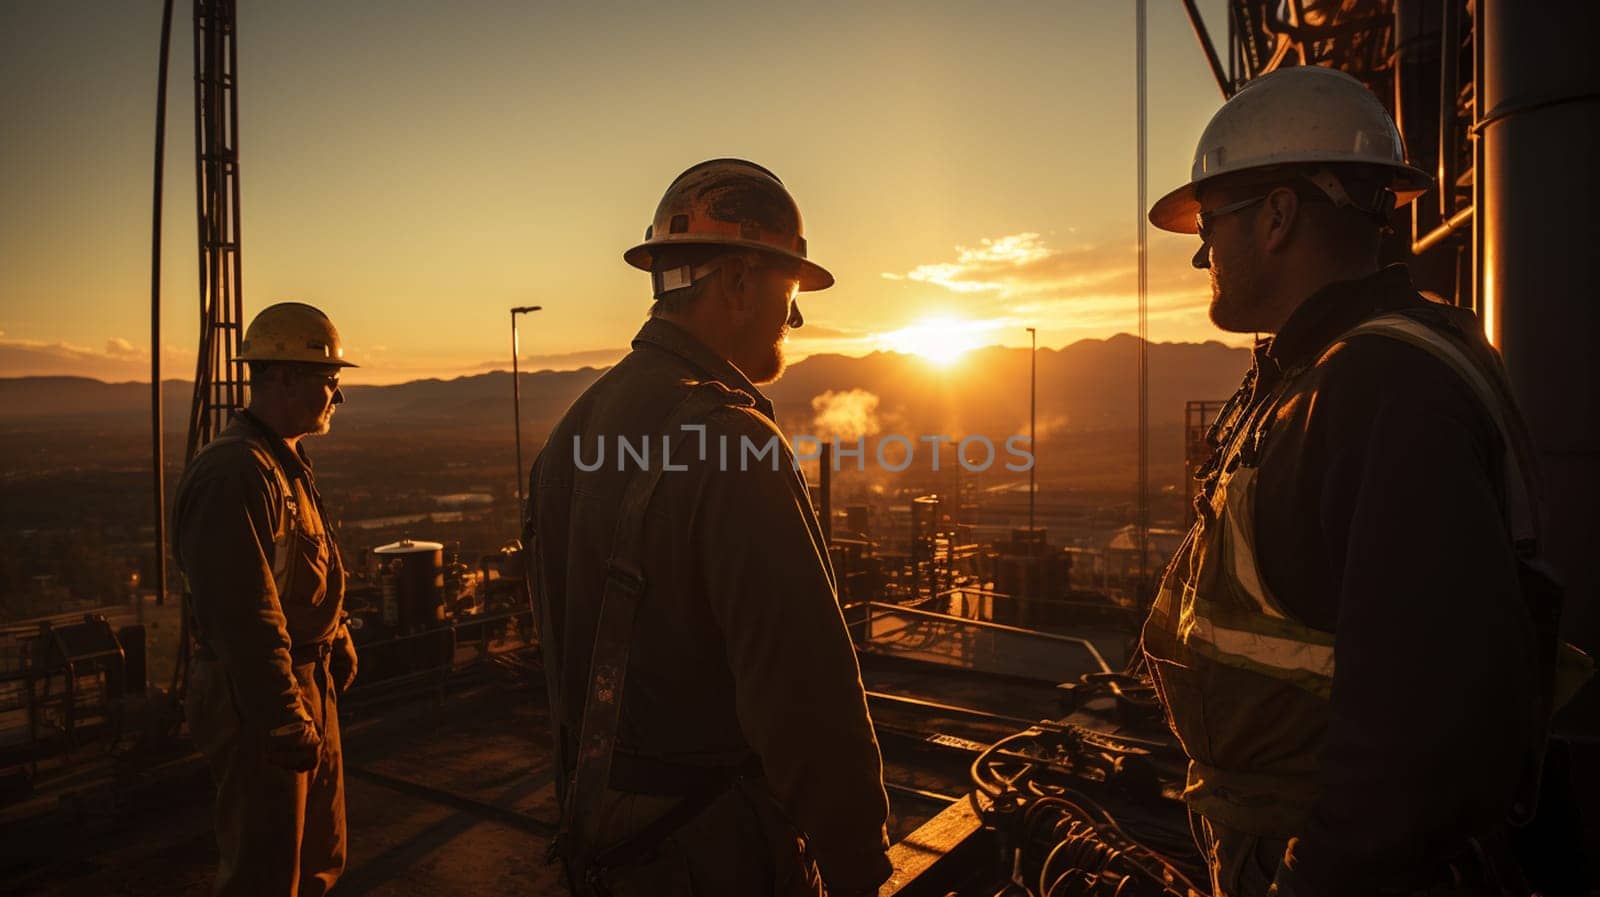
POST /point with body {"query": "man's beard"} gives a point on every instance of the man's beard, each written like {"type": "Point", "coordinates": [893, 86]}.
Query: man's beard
{"type": "Point", "coordinates": [323, 424]}
{"type": "Point", "coordinates": [770, 363]}
{"type": "Point", "coordinates": [1232, 303]}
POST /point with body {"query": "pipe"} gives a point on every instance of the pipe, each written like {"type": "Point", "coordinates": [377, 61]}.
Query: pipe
{"type": "Point", "coordinates": [158, 447]}
{"type": "Point", "coordinates": [825, 491]}
{"type": "Point", "coordinates": [1449, 97]}
{"type": "Point", "coordinates": [931, 796]}
{"type": "Point", "coordinates": [1033, 413]}
{"type": "Point", "coordinates": [1141, 77]}
{"type": "Point", "coordinates": [1043, 725]}
{"type": "Point", "coordinates": [1442, 232]}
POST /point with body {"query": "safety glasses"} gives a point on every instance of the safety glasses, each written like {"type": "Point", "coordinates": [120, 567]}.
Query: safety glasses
{"type": "Point", "coordinates": [1204, 221]}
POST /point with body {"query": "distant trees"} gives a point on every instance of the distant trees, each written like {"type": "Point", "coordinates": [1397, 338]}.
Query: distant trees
{"type": "Point", "coordinates": [42, 570]}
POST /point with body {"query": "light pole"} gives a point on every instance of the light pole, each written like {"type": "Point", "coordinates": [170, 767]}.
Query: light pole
{"type": "Point", "coordinates": [1033, 406]}
{"type": "Point", "coordinates": [516, 396]}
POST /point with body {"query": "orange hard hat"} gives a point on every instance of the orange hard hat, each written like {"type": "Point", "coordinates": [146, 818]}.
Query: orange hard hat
{"type": "Point", "coordinates": [728, 203]}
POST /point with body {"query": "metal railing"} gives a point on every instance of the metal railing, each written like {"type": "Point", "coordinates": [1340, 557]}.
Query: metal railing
{"type": "Point", "coordinates": [872, 611]}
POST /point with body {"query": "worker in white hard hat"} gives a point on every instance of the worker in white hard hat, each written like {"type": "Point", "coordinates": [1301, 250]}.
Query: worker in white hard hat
{"type": "Point", "coordinates": [265, 593]}
{"type": "Point", "coordinates": [1348, 645]}
{"type": "Point", "coordinates": [711, 724]}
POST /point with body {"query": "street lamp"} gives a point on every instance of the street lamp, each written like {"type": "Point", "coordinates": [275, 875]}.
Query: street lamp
{"type": "Point", "coordinates": [516, 396]}
{"type": "Point", "coordinates": [1033, 405]}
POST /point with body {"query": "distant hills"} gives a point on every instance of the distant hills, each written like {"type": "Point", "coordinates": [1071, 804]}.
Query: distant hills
{"type": "Point", "coordinates": [1087, 414]}
{"type": "Point", "coordinates": [1086, 387]}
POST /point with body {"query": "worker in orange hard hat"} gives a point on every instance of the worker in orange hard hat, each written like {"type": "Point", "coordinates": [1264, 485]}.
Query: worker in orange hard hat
{"type": "Point", "coordinates": [1350, 645]}
{"type": "Point", "coordinates": [711, 725]}
{"type": "Point", "coordinates": [733, 219]}
{"type": "Point", "coordinates": [265, 586]}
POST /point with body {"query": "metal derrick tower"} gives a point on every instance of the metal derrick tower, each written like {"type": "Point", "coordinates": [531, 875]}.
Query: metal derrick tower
{"type": "Point", "coordinates": [219, 384]}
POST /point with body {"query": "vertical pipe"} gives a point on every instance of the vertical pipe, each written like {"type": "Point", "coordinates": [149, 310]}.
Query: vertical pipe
{"type": "Point", "coordinates": [1449, 97]}
{"type": "Point", "coordinates": [1480, 254]}
{"type": "Point", "coordinates": [1033, 409]}
{"type": "Point", "coordinates": [825, 488]}
{"type": "Point", "coordinates": [157, 445]}
{"type": "Point", "coordinates": [916, 548]}
{"type": "Point", "coordinates": [203, 356]}
{"type": "Point", "coordinates": [516, 410]}
{"type": "Point", "coordinates": [1144, 310]}
{"type": "Point", "coordinates": [516, 397]}
{"type": "Point", "coordinates": [235, 283]}
{"type": "Point", "coordinates": [213, 279]}
{"type": "Point", "coordinates": [1539, 133]}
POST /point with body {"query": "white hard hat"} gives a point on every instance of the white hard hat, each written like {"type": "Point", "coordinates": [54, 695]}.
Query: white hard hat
{"type": "Point", "coordinates": [1294, 116]}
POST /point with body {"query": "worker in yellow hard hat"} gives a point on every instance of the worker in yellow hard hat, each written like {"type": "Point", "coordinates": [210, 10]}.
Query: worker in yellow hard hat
{"type": "Point", "coordinates": [266, 588]}
{"type": "Point", "coordinates": [711, 725]}
{"type": "Point", "coordinates": [1349, 643]}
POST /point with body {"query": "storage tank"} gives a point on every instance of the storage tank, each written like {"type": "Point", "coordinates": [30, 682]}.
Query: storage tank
{"type": "Point", "coordinates": [412, 577]}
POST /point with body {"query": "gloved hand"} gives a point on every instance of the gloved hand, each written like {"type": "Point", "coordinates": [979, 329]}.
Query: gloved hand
{"type": "Point", "coordinates": [342, 662]}
{"type": "Point", "coordinates": [295, 747]}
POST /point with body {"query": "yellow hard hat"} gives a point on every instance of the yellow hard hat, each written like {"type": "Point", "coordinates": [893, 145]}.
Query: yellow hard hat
{"type": "Point", "coordinates": [732, 203]}
{"type": "Point", "coordinates": [1301, 115]}
{"type": "Point", "coordinates": [293, 331]}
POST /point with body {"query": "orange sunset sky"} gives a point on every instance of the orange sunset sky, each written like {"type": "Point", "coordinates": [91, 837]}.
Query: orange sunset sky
{"type": "Point", "coordinates": [965, 169]}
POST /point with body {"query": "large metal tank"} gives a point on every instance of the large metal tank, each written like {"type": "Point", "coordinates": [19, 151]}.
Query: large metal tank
{"type": "Point", "coordinates": [1539, 133]}
{"type": "Point", "coordinates": [412, 578]}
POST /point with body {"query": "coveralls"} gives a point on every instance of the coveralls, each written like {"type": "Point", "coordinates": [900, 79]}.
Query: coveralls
{"type": "Point", "coordinates": [267, 588]}
{"type": "Point", "coordinates": [740, 659]}
{"type": "Point", "coordinates": [1342, 643]}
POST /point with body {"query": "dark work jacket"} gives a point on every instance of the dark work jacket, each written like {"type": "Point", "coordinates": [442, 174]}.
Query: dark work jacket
{"type": "Point", "coordinates": [262, 567]}
{"type": "Point", "coordinates": [740, 647]}
{"type": "Point", "coordinates": [1380, 518]}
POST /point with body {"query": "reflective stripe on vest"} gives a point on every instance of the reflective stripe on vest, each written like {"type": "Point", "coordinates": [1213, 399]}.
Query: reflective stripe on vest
{"type": "Point", "coordinates": [1240, 623]}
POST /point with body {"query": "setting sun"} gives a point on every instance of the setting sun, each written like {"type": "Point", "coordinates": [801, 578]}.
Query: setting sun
{"type": "Point", "coordinates": [940, 340]}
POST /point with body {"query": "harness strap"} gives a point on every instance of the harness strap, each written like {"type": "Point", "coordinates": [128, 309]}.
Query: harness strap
{"type": "Point", "coordinates": [1488, 384]}
{"type": "Point", "coordinates": [1542, 594]}
{"type": "Point", "coordinates": [625, 587]}
{"type": "Point", "coordinates": [549, 639]}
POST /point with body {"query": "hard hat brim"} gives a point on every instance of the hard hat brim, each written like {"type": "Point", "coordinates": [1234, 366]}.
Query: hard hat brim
{"type": "Point", "coordinates": [813, 276]}
{"type": "Point", "coordinates": [1176, 211]}
{"type": "Point", "coordinates": [329, 362]}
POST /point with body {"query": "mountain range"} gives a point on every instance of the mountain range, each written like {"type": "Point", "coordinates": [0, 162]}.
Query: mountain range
{"type": "Point", "coordinates": [1086, 424]}
{"type": "Point", "coordinates": [1088, 386]}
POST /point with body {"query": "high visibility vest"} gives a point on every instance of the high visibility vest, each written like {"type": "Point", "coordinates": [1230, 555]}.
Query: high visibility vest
{"type": "Point", "coordinates": [1245, 683]}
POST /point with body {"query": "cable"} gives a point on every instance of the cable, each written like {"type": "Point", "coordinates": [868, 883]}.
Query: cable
{"type": "Point", "coordinates": [978, 764]}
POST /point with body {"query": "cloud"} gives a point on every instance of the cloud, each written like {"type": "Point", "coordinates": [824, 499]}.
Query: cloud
{"type": "Point", "coordinates": [1010, 264]}
{"type": "Point", "coordinates": [120, 360]}
{"type": "Point", "coordinates": [1087, 286]}
{"type": "Point", "coordinates": [1023, 264]}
